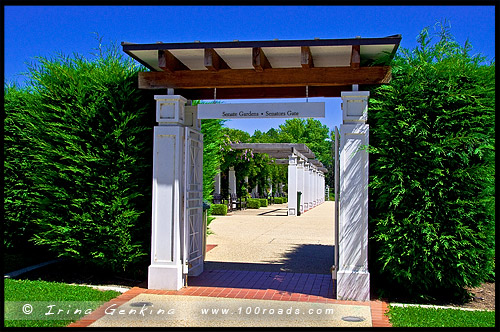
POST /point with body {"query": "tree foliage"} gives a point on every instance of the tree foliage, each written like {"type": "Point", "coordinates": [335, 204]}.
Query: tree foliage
{"type": "Point", "coordinates": [432, 170]}
{"type": "Point", "coordinates": [213, 140]}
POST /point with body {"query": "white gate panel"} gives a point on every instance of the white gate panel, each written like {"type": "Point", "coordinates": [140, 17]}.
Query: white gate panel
{"type": "Point", "coordinates": [193, 203]}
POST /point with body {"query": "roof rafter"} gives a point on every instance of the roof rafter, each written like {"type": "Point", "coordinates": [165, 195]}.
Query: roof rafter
{"type": "Point", "coordinates": [355, 56]}
{"type": "Point", "coordinates": [259, 59]}
{"type": "Point", "coordinates": [213, 60]}
{"type": "Point", "coordinates": [168, 62]}
{"type": "Point", "coordinates": [306, 57]}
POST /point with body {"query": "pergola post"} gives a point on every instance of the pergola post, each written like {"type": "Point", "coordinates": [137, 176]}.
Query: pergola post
{"type": "Point", "coordinates": [353, 277]}
{"type": "Point", "coordinates": [232, 180]}
{"type": "Point", "coordinates": [300, 182]}
{"type": "Point", "coordinates": [166, 269]}
{"type": "Point", "coordinates": [316, 177]}
{"type": "Point", "coordinates": [307, 185]}
{"type": "Point", "coordinates": [310, 182]}
{"type": "Point", "coordinates": [217, 183]}
{"type": "Point", "coordinates": [292, 185]}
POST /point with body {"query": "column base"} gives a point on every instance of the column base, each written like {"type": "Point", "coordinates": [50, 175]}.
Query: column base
{"type": "Point", "coordinates": [165, 277]}
{"type": "Point", "coordinates": [353, 285]}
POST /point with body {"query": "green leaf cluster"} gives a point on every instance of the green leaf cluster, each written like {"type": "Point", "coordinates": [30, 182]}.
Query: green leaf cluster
{"type": "Point", "coordinates": [432, 170]}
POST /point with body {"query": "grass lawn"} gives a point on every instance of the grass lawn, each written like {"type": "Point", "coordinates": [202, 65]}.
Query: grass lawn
{"type": "Point", "coordinates": [39, 294]}
{"type": "Point", "coordinates": [434, 317]}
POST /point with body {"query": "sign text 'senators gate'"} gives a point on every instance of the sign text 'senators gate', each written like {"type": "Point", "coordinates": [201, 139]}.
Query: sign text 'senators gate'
{"type": "Point", "coordinates": [261, 110]}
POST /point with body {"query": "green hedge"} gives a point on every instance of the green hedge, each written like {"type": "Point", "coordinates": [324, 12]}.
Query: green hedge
{"type": "Point", "coordinates": [263, 202]}
{"type": "Point", "coordinates": [278, 200]}
{"type": "Point", "coordinates": [81, 134]}
{"type": "Point", "coordinates": [253, 203]}
{"type": "Point", "coordinates": [219, 209]}
{"type": "Point", "coordinates": [432, 137]}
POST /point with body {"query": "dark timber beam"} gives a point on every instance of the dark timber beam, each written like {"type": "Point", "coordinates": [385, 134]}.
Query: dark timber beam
{"type": "Point", "coordinates": [213, 61]}
{"type": "Point", "coordinates": [169, 63]}
{"type": "Point", "coordinates": [248, 78]}
{"type": "Point", "coordinates": [355, 57]}
{"type": "Point", "coordinates": [306, 57]}
{"type": "Point", "coordinates": [264, 92]}
{"type": "Point", "coordinates": [259, 59]}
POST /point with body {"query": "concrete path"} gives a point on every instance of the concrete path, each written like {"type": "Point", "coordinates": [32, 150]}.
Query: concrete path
{"type": "Point", "coordinates": [266, 269]}
{"type": "Point", "coordinates": [266, 239]}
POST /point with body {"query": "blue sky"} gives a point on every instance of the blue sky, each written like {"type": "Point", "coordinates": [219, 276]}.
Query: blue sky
{"type": "Point", "coordinates": [32, 31]}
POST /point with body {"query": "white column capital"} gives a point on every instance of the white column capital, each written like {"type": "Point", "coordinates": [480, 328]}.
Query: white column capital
{"type": "Point", "coordinates": [354, 106]}
{"type": "Point", "coordinates": [170, 109]}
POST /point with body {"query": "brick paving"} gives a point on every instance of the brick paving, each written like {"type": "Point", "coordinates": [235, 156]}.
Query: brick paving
{"type": "Point", "coordinates": [258, 285]}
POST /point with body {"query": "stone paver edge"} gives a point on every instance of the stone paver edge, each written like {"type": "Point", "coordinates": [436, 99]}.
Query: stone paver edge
{"type": "Point", "coordinates": [378, 308]}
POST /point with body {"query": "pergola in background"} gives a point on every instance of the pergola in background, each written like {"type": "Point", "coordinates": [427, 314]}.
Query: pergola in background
{"type": "Point", "coordinates": [256, 70]}
{"type": "Point", "coordinates": [305, 174]}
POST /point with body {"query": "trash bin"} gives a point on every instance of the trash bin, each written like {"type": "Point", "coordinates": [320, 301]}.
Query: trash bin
{"type": "Point", "coordinates": [299, 193]}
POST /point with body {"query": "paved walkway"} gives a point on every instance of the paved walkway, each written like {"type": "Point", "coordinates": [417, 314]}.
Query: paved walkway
{"type": "Point", "coordinates": [257, 259]}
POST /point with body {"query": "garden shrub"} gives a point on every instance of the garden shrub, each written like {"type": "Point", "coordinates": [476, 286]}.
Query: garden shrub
{"type": "Point", "coordinates": [87, 134]}
{"type": "Point", "coordinates": [432, 171]}
{"type": "Point", "coordinates": [18, 164]}
{"type": "Point", "coordinates": [263, 202]}
{"type": "Point", "coordinates": [278, 200]}
{"type": "Point", "coordinates": [253, 203]}
{"type": "Point", "coordinates": [219, 209]}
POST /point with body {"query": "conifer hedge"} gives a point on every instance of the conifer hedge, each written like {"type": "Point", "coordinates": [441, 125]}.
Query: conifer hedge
{"type": "Point", "coordinates": [432, 171]}
{"type": "Point", "coordinates": [79, 159]}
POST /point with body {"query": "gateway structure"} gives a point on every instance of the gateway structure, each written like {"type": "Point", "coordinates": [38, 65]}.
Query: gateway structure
{"type": "Point", "coordinates": [182, 72]}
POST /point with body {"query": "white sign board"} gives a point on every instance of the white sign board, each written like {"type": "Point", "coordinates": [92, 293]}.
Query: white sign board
{"type": "Point", "coordinates": [261, 110]}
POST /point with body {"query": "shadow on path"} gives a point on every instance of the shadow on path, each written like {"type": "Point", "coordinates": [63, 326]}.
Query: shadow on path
{"type": "Point", "coordinates": [275, 212]}
{"type": "Point", "coordinates": [304, 269]}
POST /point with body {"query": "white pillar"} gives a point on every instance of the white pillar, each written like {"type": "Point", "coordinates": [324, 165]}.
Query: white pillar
{"type": "Point", "coordinates": [323, 188]}
{"type": "Point", "coordinates": [232, 180]}
{"type": "Point", "coordinates": [310, 194]}
{"type": "Point", "coordinates": [217, 183]}
{"type": "Point", "coordinates": [166, 270]}
{"type": "Point", "coordinates": [255, 190]}
{"type": "Point", "coordinates": [353, 277]}
{"type": "Point", "coordinates": [300, 182]}
{"type": "Point", "coordinates": [292, 185]}
{"type": "Point", "coordinates": [305, 186]}
{"type": "Point", "coordinates": [315, 187]}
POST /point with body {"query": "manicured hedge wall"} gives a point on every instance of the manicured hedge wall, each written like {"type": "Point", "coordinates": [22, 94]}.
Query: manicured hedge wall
{"type": "Point", "coordinates": [263, 202]}
{"type": "Point", "coordinates": [86, 132]}
{"type": "Point", "coordinates": [432, 171]}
